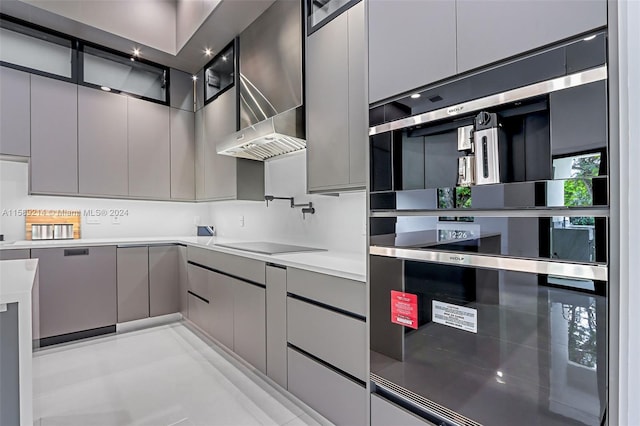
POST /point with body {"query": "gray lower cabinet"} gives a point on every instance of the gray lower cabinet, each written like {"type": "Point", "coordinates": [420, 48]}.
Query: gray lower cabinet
{"type": "Point", "coordinates": [15, 254]}
{"type": "Point", "coordinates": [249, 323]}
{"type": "Point", "coordinates": [182, 155]}
{"type": "Point", "coordinates": [133, 283]}
{"type": "Point", "coordinates": [276, 314]}
{"type": "Point", "coordinates": [183, 279]}
{"type": "Point", "coordinates": [103, 167]}
{"type": "Point", "coordinates": [54, 136]}
{"type": "Point", "coordinates": [336, 103]}
{"type": "Point", "coordinates": [335, 338]}
{"type": "Point", "coordinates": [495, 30]}
{"type": "Point", "coordinates": [77, 289]}
{"type": "Point", "coordinates": [338, 398]}
{"type": "Point", "coordinates": [412, 44]}
{"type": "Point", "coordinates": [15, 122]}
{"type": "Point", "coordinates": [221, 305]}
{"type": "Point", "coordinates": [198, 296]}
{"type": "Point", "coordinates": [164, 280]}
{"type": "Point", "coordinates": [149, 149]}
{"type": "Point", "coordinates": [385, 413]}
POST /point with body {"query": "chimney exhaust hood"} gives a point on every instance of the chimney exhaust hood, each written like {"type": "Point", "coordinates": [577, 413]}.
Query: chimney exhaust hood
{"type": "Point", "coordinates": [277, 135]}
{"type": "Point", "coordinates": [270, 86]}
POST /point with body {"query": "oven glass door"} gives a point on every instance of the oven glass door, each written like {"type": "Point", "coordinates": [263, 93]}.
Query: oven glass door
{"type": "Point", "coordinates": [490, 345]}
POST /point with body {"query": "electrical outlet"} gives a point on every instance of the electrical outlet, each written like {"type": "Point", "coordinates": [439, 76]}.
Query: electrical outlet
{"type": "Point", "coordinates": [241, 221]}
{"type": "Point", "coordinates": [115, 220]}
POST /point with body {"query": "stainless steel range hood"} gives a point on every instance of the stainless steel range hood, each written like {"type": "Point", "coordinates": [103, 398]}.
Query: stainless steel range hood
{"type": "Point", "coordinates": [270, 86]}
{"type": "Point", "coordinates": [277, 135]}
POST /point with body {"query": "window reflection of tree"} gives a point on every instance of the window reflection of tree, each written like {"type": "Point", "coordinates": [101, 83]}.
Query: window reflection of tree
{"type": "Point", "coordinates": [582, 333]}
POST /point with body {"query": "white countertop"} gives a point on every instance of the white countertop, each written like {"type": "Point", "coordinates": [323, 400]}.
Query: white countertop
{"type": "Point", "coordinates": [16, 279]}
{"type": "Point", "coordinates": [341, 264]}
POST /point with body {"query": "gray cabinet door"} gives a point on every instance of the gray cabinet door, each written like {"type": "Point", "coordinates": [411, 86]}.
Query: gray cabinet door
{"type": "Point", "coordinates": [77, 289]}
{"type": "Point", "coordinates": [102, 143]}
{"type": "Point", "coordinates": [54, 136]}
{"type": "Point", "coordinates": [219, 170]}
{"type": "Point", "coordinates": [200, 154]}
{"type": "Point", "coordinates": [183, 279]}
{"type": "Point", "coordinates": [358, 104]}
{"type": "Point", "coordinates": [182, 155]}
{"type": "Point", "coordinates": [14, 254]}
{"type": "Point", "coordinates": [411, 44]}
{"type": "Point", "coordinates": [181, 90]}
{"type": "Point", "coordinates": [149, 149]}
{"type": "Point", "coordinates": [249, 324]}
{"type": "Point", "coordinates": [15, 127]}
{"type": "Point", "coordinates": [276, 306]}
{"type": "Point", "coordinates": [339, 399]}
{"type": "Point", "coordinates": [327, 105]}
{"type": "Point", "coordinates": [164, 280]}
{"type": "Point", "coordinates": [220, 315]}
{"type": "Point", "coordinates": [133, 283]}
{"type": "Point", "coordinates": [495, 30]}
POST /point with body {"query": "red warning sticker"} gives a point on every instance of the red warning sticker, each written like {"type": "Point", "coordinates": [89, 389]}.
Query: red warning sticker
{"type": "Point", "coordinates": [404, 309]}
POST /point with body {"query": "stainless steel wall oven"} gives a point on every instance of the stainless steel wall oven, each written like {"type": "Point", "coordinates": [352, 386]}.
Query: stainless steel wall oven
{"type": "Point", "coordinates": [489, 221]}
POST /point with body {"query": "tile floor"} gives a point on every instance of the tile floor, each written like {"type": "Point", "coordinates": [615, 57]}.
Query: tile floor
{"type": "Point", "coordinates": [161, 376]}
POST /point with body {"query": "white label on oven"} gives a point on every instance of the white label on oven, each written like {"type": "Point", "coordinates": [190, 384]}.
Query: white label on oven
{"type": "Point", "coordinates": [455, 316]}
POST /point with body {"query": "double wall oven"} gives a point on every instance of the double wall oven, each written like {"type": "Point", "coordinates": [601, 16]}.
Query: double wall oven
{"type": "Point", "coordinates": [488, 253]}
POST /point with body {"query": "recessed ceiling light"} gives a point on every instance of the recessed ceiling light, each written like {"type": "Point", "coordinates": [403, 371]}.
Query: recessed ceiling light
{"type": "Point", "coordinates": [415, 96]}
{"type": "Point", "coordinates": [136, 52]}
{"type": "Point", "coordinates": [194, 77]}
{"type": "Point", "coordinates": [590, 37]}
{"type": "Point", "coordinates": [224, 58]}
{"type": "Point", "coordinates": [207, 51]}
{"type": "Point", "coordinates": [105, 88]}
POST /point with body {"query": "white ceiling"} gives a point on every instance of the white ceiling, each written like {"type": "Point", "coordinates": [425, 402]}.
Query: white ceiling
{"type": "Point", "coordinates": [170, 32]}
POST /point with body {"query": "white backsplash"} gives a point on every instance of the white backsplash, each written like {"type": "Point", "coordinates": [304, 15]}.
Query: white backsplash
{"type": "Point", "coordinates": [144, 218]}
{"type": "Point", "coordinates": [338, 224]}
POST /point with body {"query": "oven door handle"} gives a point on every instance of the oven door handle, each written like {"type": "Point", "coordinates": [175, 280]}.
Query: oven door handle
{"type": "Point", "coordinates": [565, 269]}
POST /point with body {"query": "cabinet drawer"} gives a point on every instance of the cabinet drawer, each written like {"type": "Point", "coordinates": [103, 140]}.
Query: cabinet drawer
{"type": "Point", "coordinates": [342, 293]}
{"type": "Point", "coordinates": [238, 266]}
{"type": "Point", "coordinates": [14, 254]}
{"type": "Point", "coordinates": [197, 281]}
{"type": "Point", "coordinates": [384, 413]}
{"type": "Point", "coordinates": [198, 312]}
{"type": "Point", "coordinates": [339, 399]}
{"type": "Point", "coordinates": [333, 337]}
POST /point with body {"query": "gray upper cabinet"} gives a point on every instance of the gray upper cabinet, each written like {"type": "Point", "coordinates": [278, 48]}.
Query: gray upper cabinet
{"type": "Point", "coordinates": [15, 130]}
{"type": "Point", "coordinates": [219, 170]}
{"type": "Point", "coordinates": [149, 149]}
{"type": "Point", "coordinates": [200, 154]}
{"type": "Point", "coordinates": [54, 136]}
{"type": "Point", "coordinates": [181, 90]}
{"type": "Point", "coordinates": [505, 31]}
{"type": "Point", "coordinates": [327, 102]}
{"type": "Point", "coordinates": [182, 155]}
{"type": "Point", "coordinates": [336, 104]}
{"type": "Point", "coordinates": [102, 143]}
{"type": "Point", "coordinates": [164, 280]}
{"type": "Point", "coordinates": [224, 177]}
{"type": "Point", "coordinates": [413, 43]}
